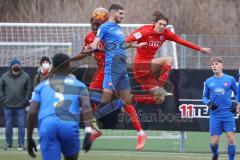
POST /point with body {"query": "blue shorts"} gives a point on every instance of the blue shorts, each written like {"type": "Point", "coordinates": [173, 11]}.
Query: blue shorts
{"type": "Point", "coordinates": [58, 137]}
{"type": "Point", "coordinates": [220, 124]}
{"type": "Point", "coordinates": [117, 77]}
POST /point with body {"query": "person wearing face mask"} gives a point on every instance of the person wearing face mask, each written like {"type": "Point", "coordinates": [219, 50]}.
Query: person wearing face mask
{"type": "Point", "coordinates": [43, 71]}
{"type": "Point", "coordinates": [15, 92]}
{"type": "Point", "coordinates": [146, 68]}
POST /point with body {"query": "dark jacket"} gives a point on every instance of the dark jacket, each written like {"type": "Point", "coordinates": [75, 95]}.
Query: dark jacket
{"type": "Point", "coordinates": [39, 77]}
{"type": "Point", "coordinates": [15, 91]}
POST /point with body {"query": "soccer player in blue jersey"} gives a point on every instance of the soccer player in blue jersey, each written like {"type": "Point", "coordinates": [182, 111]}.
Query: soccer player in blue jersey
{"type": "Point", "coordinates": [217, 95]}
{"type": "Point", "coordinates": [115, 71]}
{"type": "Point", "coordinates": [57, 102]}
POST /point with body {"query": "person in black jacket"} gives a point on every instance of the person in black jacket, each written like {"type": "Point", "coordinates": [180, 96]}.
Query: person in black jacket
{"type": "Point", "coordinates": [15, 92]}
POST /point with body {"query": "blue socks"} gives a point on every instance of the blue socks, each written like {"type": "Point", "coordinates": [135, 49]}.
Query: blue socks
{"type": "Point", "coordinates": [214, 150]}
{"type": "Point", "coordinates": [231, 151]}
{"type": "Point", "coordinates": [108, 108]}
{"type": "Point", "coordinates": [96, 97]}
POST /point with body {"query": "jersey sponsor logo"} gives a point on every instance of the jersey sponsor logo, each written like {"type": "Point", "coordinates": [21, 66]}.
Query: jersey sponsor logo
{"type": "Point", "coordinates": [219, 90]}
{"type": "Point", "coordinates": [155, 43]}
{"type": "Point", "coordinates": [225, 84]}
{"type": "Point", "coordinates": [137, 35]}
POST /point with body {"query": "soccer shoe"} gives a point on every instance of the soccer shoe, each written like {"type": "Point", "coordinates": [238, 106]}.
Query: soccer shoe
{"type": "Point", "coordinates": [215, 158]}
{"type": "Point", "coordinates": [141, 142]}
{"type": "Point", "coordinates": [163, 92]}
{"type": "Point", "coordinates": [94, 124]}
{"type": "Point", "coordinates": [168, 86]}
{"type": "Point", "coordinates": [95, 134]}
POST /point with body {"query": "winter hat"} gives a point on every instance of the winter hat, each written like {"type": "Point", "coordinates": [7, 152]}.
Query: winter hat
{"type": "Point", "coordinates": [15, 61]}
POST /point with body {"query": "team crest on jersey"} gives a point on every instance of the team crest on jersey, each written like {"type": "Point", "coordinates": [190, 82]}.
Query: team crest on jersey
{"type": "Point", "coordinates": [161, 38]}
{"type": "Point", "coordinates": [137, 35]}
{"type": "Point", "coordinates": [225, 84]}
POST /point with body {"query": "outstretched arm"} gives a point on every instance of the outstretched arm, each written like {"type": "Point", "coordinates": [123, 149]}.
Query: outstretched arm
{"type": "Point", "coordinates": [135, 45]}
{"type": "Point", "coordinates": [173, 37]}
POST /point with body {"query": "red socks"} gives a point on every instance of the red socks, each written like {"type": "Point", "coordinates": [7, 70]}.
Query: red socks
{"type": "Point", "coordinates": [133, 116]}
{"type": "Point", "coordinates": [146, 99]}
{"type": "Point", "coordinates": [164, 74]}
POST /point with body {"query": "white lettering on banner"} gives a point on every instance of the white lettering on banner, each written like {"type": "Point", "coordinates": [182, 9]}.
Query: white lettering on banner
{"type": "Point", "coordinates": [195, 111]}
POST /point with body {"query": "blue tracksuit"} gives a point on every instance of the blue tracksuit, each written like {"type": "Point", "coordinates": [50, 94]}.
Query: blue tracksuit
{"type": "Point", "coordinates": [218, 91]}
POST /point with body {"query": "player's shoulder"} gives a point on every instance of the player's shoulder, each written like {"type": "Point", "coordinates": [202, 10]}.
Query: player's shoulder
{"type": "Point", "coordinates": [72, 80]}
{"type": "Point", "coordinates": [146, 27]}
{"type": "Point", "coordinates": [106, 24]}
{"type": "Point", "coordinates": [90, 37]}
{"type": "Point", "coordinates": [228, 76]}
{"type": "Point", "coordinates": [41, 85]}
{"type": "Point", "coordinates": [90, 34]}
{"type": "Point", "coordinates": [212, 78]}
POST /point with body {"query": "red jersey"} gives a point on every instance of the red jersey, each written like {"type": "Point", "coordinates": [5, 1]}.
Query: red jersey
{"type": "Point", "coordinates": [97, 80]}
{"type": "Point", "coordinates": [99, 56]}
{"type": "Point", "coordinates": [154, 41]}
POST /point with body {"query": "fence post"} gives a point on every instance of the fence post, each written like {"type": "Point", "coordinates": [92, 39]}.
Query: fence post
{"type": "Point", "coordinates": [182, 142]}
{"type": "Point", "coordinates": [76, 43]}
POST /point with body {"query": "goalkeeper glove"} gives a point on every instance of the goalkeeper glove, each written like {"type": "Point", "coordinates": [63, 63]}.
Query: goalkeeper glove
{"type": "Point", "coordinates": [233, 108]}
{"type": "Point", "coordinates": [30, 147]}
{"type": "Point", "coordinates": [212, 106]}
{"type": "Point", "coordinates": [87, 143]}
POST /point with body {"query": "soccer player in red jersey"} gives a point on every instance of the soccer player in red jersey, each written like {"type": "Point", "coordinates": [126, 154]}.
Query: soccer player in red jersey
{"type": "Point", "coordinates": [97, 80]}
{"type": "Point", "coordinates": [148, 39]}
{"type": "Point", "coordinates": [96, 86]}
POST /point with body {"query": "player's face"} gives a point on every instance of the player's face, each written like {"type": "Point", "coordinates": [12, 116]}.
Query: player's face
{"type": "Point", "coordinates": [118, 16]}
{"type": "Point", "coordinates": [160, 26]}
{"type": "Point", "coordinates": [217, 67]}
{"type": "Point", "coordinates": [95, 26]}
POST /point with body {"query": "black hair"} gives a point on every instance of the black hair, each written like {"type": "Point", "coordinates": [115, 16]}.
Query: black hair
{"type": "Point", "coordinates": [159, 16]}
{"type": "Point", "coordinates": [44, 58]}
{"type": "Point", "coordinates": [61, 60]}
{"type": "Point", "coordinates": [115, 7]}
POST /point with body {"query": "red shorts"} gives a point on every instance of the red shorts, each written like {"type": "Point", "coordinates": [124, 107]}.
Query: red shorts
{"type": "Point", "coordinates": [144, 76]}
{"type": "Point", "coordinates": [97, 81]}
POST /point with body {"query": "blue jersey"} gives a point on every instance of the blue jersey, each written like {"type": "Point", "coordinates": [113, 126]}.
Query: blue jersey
{"type": "Point", "coordinates": [112, 36]}
{"type": "Point", "coordinates": [218, 91]}
{"type": "Point", "coordinates": [59, 99]}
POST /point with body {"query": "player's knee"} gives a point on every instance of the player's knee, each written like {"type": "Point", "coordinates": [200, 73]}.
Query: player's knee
{"type": "Point", "coordinates": [169, 60]}
{"type": "Point", "coordinates": [159, 99]}
{"type": "Point", "coordinates": [106, 99]}
{"type": "Point", "coordinates": [127, 100]}
{"type": "Point", "coordinates": [231, 140]}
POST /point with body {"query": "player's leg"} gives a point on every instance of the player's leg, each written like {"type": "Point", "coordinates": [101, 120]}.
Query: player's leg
{"type": "Point", "coordinates": [123, 87]}
{"type": "Point", "coordinates": [69, 140]}
{"type": "Point", "coordinates": [162, 65]}
{"type": "Point", "coordinates": [230, 129]}
{"type": "Point", "coordinates": [148, 81]}
{"type": "Point", "coordinates": [215, 132]}
{"type": "Point", "coordinates": [73, 157]}
{"type": "Point", "coordinates": [50, 146]}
